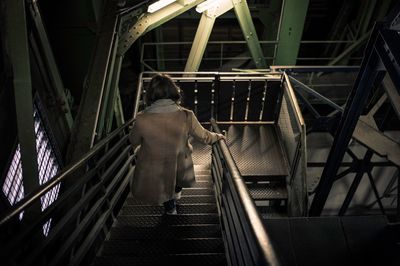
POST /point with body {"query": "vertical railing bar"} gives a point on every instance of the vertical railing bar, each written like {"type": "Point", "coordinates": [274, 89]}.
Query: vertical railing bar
{"type": "Point", "coordinates": [212, 97]}
{"type": "Point", "coordinates": [248, 101]}
{"type": "Point", "coordinates": [233, 98]}
{"type": "Point", "coordinates": [195, 96]}
{"type": "Point", "coordinates": [263, 100]}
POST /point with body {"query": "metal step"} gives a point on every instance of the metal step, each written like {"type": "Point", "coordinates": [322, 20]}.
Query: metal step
{"type": "Point", "coordinates": [154, 220]}
{"type": "Point", "coordinates": [202, 177]}
{"type": "Point", "coordinates": [184, 200]}
{"type": "Point", "coordinates": [181, 208]}
{"type": "Point", "coordinates": [198, 191]}
{"type": "Point", "coordinates": [202, 184]}
{"type": "Point", "coordinates": [163, 247]}
{"type": "Point", "coordinates": [268, 191]}
{"type": "Point", "coordinates": [261, 178]}
{"type": "Point", "coordinates": [165, 232]}
{"type": "Point", "coordinates": [214, 259]}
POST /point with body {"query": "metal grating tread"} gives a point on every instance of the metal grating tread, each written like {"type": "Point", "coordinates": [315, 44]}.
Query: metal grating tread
{"type": "Point", "coordinates": [182, 209]}
{"type": "Point", "coordinates": [268, 191]}
{"type": "Point", "coordinates": [166, 232]}
{"type": "Point", "coordinates": [201, 155]}
{"type": "Point", "coordinates": [198, 191]}
{"type": "Point", "coordinates": [213, 259]}
{"type": "Point", "coordinates": [163, 247]}
{"type": "Point", "coordinates": [154, 220]}
{"type": "Point", "coordinates": [203, 178]}
{"type": "Point", "coordinates": [188, 199]}
{"type": "Point", "coordinates": [202, 184]}
{"type": "Point", "coordinates": [256, 150]}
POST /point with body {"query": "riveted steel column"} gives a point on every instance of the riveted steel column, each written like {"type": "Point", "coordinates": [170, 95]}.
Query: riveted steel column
{"type": "Point", "coordinates": [290, 31]}
{"type": "Point", "coordinates": [16, 31]}
{"type": "Point", "coordinates": [249, 31]}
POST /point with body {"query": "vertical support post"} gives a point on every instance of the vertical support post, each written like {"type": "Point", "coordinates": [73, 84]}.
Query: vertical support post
{"type": "Point", "coordinates": [200, 42]}
{"type": "Point", "coordinates": [249, 31]}
{"type": "Point", "coordinates": [159, 50]}
{"type": "Point", "coordinates": [290, 31]}
{"type": "Point", "coordinates": [17, 35]}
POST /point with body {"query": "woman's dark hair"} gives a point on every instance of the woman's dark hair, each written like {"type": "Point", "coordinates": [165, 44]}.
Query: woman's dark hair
{"type": "Point", "coordinates": [162, 87]}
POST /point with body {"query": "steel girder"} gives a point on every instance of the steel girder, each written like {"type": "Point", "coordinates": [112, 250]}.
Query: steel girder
{"type": "Point", "coordinates": [87, 119]}
{"type": "Point", "coordinates": [149, 21]}
{"type": "Point", "coordinates": [293, 16]}
{"type": "Point", "coordinates": [17, 36]}
{"type": "Point", "coordinates": [249, 31]}
{"type": "Point", "coordinates": [382, 54]}
{"type": "Point", "coordinates": [51, 66]}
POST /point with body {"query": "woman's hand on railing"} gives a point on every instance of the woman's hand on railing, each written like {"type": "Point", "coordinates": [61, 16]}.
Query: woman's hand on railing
{"type": "Point", "coordinates": [220, 136]}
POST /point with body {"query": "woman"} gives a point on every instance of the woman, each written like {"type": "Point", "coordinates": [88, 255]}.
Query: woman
{"type": "Point", "coordinates": [164, 163]}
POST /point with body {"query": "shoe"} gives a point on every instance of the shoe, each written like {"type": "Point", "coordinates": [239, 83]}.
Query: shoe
{"type": "Point", "coordinates": [178, 195]}
{"type": "Point", "coordinates": [172, 212]}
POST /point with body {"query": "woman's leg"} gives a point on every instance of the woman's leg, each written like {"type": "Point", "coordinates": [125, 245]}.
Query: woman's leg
{"type": "Point", "coordinates": [170, 206]}
{"type": "Point", "coordinates": [178, 192]}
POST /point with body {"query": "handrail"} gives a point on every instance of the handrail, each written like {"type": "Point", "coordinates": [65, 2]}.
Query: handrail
{"type": "Point", "coordinates": [254, 221]}
{"type": "Point", "coordinates": [41, 190]}
{"type": "Point", "coordinates": [293, 99]}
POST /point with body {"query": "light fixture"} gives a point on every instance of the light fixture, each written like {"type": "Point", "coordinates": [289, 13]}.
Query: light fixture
{"type": "Point", "coordinates": [158, 5]}
{"type": "Point", "coordinates": [206, 5]}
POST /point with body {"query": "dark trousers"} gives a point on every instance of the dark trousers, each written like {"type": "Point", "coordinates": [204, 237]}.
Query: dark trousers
{"type": "Point", "coordinates": [171, 204]}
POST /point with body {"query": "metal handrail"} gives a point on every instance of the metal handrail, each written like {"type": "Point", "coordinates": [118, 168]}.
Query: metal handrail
{"type": "Point", "coordinates": [252, 217]}
{"type": "Point", "coordinates": [41, 190]}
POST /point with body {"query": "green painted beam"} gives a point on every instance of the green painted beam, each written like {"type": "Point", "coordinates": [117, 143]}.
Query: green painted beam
{"type": "Point", "coordinates": [290, 32]}
{"type": "Point", "coordinates": [119, 113]}
{"type": "Point", "coordinates": [114, 96]}
{"type": "Point", "coordinates": [249, 31]}
{"type": "Point", "coordinates": [109, 88]}
{"type": "Point", "coordinates": [18, 51]}
{"type": "Point", "coordinates": [200, 42]}
{"type": "Point", "coordinates": [149, 21]}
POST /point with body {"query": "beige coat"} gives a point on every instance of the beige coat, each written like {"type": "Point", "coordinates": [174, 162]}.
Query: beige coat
{"type": "Point", "coordinates": [164, 158]}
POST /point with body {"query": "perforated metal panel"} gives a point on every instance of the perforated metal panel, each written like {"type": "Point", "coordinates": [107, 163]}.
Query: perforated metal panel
{"type": "Point", "coordinates": [256, 150]}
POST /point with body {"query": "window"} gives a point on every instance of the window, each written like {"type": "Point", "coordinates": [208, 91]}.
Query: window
{"type": "Point", "coordinates": [48, 166]}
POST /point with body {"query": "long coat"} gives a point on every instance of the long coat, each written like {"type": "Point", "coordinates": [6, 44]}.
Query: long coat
{"type": "Point", "coordinates": [164, 158]}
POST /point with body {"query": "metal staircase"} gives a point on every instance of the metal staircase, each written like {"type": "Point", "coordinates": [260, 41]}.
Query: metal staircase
{"type": "Point", "coordinates": [143, 235]}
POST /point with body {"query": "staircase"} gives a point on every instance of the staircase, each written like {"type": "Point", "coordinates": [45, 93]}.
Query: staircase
{"type": "Point", "coordinates": [259, 155]}
{"type": "Point", "coordinates": [143, 235]}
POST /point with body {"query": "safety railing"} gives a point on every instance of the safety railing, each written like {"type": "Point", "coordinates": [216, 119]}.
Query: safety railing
{"type": "Point", "coordinates": [223, 55]}
{"type": "Point", "coordinates": [246, 239]}
{"type": "Point", "coordinates": [292, 130]}
{"type": "Point", "coordinates": [82, 214]}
